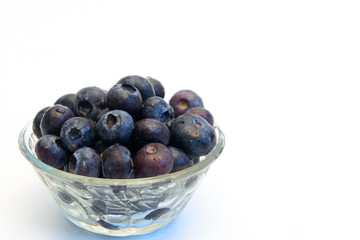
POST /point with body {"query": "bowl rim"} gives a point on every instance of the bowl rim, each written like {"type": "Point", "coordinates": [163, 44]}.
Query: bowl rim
{"type": "Point", "coordinates": [27, 137]}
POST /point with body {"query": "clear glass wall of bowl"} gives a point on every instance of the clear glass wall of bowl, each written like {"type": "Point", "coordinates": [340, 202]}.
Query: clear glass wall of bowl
{"type": "Point", "coordinates": [120, 207]}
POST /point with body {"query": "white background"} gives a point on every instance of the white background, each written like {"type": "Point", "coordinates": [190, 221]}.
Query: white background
{"type": "Point", "coordinates": [281, 78]}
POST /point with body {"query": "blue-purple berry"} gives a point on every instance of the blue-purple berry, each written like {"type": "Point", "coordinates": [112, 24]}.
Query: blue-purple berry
{"type": "Point", "coordinates": [115, 126]}
{"type": "Point", "coordinates": [36, 122]}
{"type": "Point", "coordinates": [117, 162]}
{"type": "Point", "coordinates": [157, 108]}
{"type": "Point", "coordinates": [49, 150]}
{"type": "Point", "coordinates": [158, 87]}
{"type": "Point", "coordinates": [142, 84]}
{"type": "Point", "coordinates": [192, 134]}
{"type": "Point", "coordinates": [124, 97]}
{"type": "Point", "coordinates": [181, 160]}
{"type": "Point", "coordinates": [89, 102]}
{"type": "Point", "coordinates": [54, 118]}
{"type": "Point", "coordinates": [85, 161]}
{"type": "Point", "coordinates": [78, 132]}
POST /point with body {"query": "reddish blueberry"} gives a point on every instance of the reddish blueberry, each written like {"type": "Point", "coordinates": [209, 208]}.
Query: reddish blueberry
{"type": "Point", "coordinates": [183, 100]}
{"type": "Point", "coordinates": [206, 114]}
{"type": "Point", "coordinates": [153, 159]}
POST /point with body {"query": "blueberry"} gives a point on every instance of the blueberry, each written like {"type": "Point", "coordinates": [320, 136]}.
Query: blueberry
{"type": "Point", "coordinates": [85, 161]}
{"type": "Point", "coordinates": [54, 118]}
{"type": "Point", "coordinates": [149, 130]}
{"type": "Point", "coordinates": [124, 97]}
{"type": "Point", "coordinates": [49, 150]}
{"type": "Point", "coordinates": [206, 114]}
{"type": "Point", "coordinates": [78, 132]}
{"type": "Point", "coordinates": [183, 100]}
{"type": "Point", "coordinates": [157, 108]}
{"type": "Point", "coordinates": [115, 126]}
{"type": "Point", "coordinates": [89, 101]}
{"type": "Point", "coordinates": [117, 162]}
{"type": "Point", "coordinates": [158, 87]}
{"type": "Point", "coordinates": [142, 84]}
{"type": "Point", "coordinates": [36, 122]}
{"type": "Point", "coordinates": [153, 159]}
{"type": "Point", "coordinates": [67, 100]}
{"type": "Point", "coordinates": [192, 134]}
{"type": "Point", "coordinates": [181, 160]}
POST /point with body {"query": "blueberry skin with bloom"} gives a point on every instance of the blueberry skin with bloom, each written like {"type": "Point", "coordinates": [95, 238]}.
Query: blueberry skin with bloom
{"type": "Point", "coordinates": [78, 132]}
{"type": "Point", "coordinates": [49, 150]}
{"type": "Point", "coordinates": [115, 126]}
{"type": "Point", "coordinates": [183, 100]}
{"type": "Point", "coordinates": [124, 97]}
{"type": "Point", "coordinates": [181, 160]}
{"type": "Point", "coordinates": [117, 162]}
{"type": "Point", "coordinates": [67, 100]}
{"type": "Point", "coordinates": [89, 102]}
{"type": "Point", "coordinates": [153, 159]}
{"type": "Point", "coordinates": [206, 114]}
{"type": "Point", "coordinates": [36, 122]}
{"type": "Point", "coordinates": [149, 130]}
{"type": "Point", "coordinates": [192, 134]}
{"type": "Point", "coordinates": [85, 161]}
{"type": "Point", "coordinates": [157, 108]}
{"type": "Point", "coordinates": [142, 84]}
{"type": "Point", "coordinates": [54, 118]}
{"type": "Point", "coordinates": [158, 87]}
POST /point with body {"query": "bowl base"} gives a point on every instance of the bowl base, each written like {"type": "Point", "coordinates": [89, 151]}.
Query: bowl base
{"type": "Point", "coordinates": [107, 229]}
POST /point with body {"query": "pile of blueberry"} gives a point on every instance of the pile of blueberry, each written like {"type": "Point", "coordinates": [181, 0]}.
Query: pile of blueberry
{"type": "Point", "coordinates": [129, 131]}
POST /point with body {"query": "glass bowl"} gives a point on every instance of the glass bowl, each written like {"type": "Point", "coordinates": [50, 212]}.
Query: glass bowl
{"type": "Point", "coordinates": [120, 207]}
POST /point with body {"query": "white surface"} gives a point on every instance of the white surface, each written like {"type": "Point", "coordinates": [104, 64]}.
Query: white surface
{"type": "Point", "coordinates": [281, 78]}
